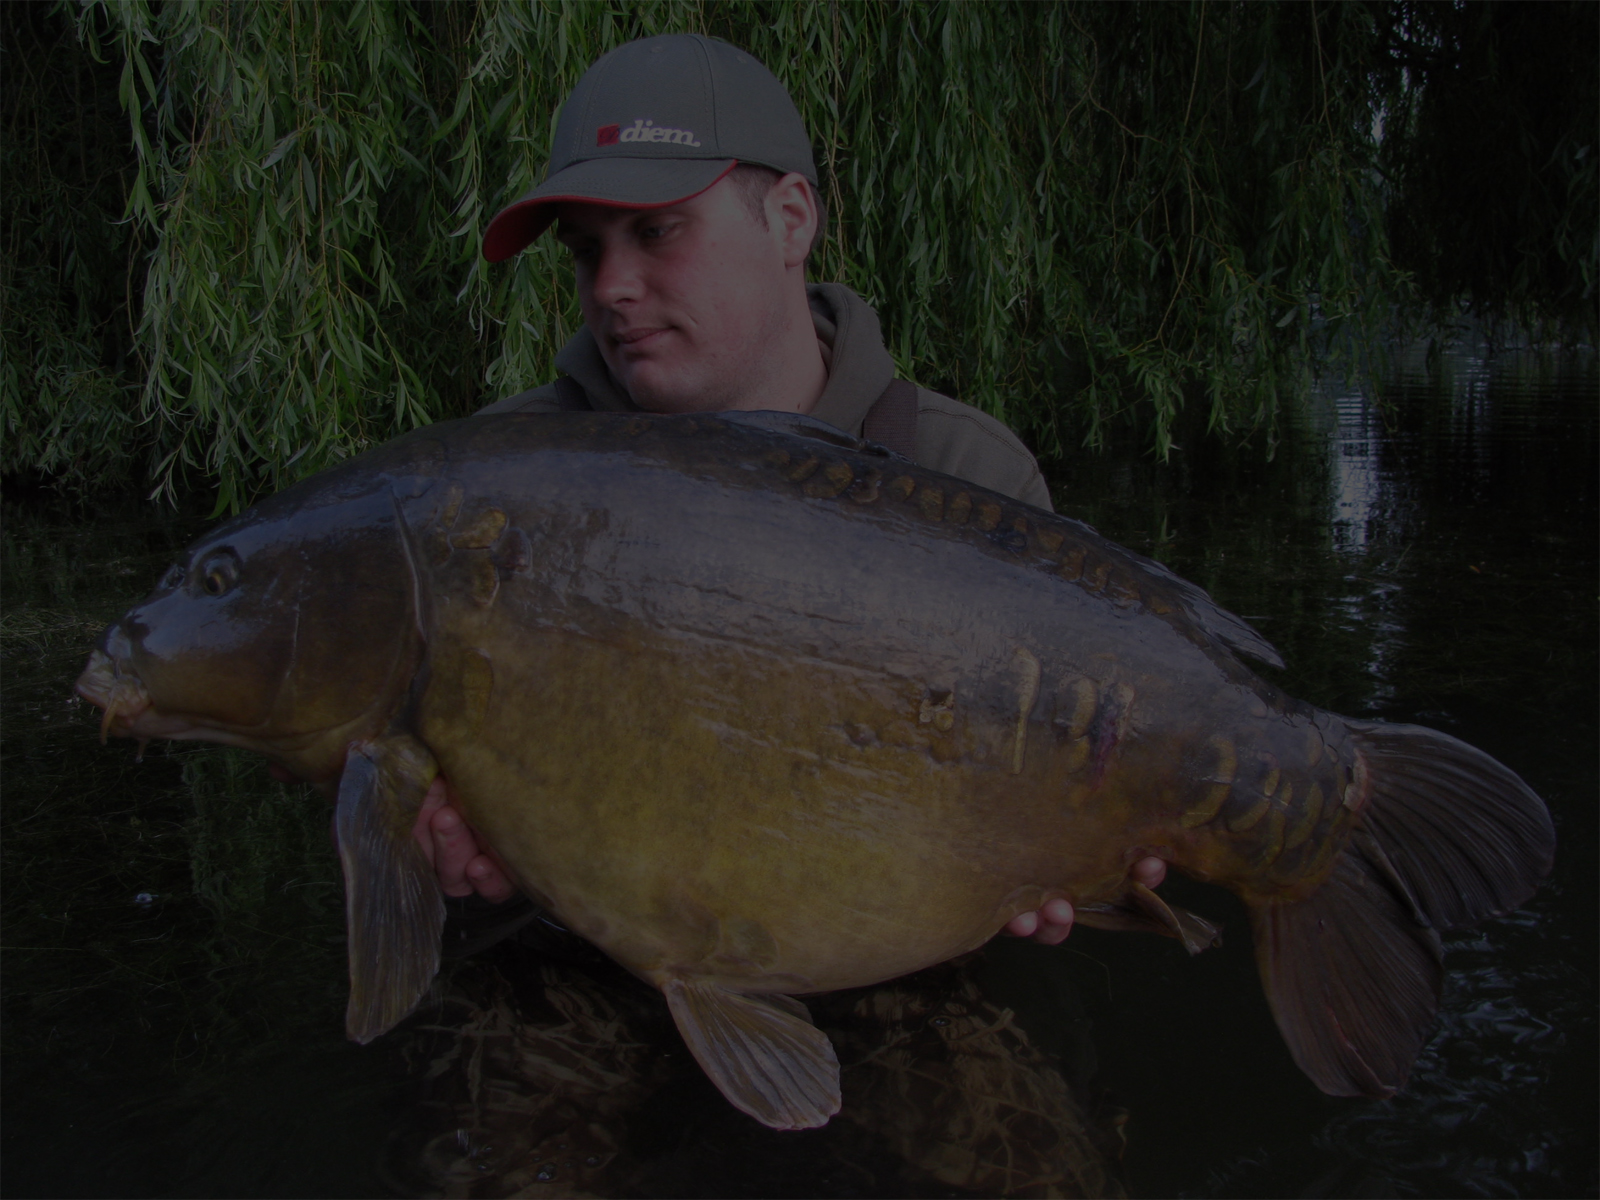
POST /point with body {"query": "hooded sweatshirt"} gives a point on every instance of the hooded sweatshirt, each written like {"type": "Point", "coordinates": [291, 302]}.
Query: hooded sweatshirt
{"type": "Point", "coordinates": [952, 437]}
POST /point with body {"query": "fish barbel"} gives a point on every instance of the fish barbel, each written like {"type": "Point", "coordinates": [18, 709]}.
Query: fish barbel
{"type": "Point", "coordinates": [763, 710]}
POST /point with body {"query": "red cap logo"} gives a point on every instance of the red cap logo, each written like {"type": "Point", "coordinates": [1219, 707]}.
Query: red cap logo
{"type": "Point", "coordinates": [607, 135]}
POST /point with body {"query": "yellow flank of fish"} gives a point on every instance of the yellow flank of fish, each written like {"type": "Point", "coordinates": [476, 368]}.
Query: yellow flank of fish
{"type": "Point", "coordinates": [1304, 818]}
{"type": "Point", "coordinates": [480, 531]}
{"type": "Point", "coordinates": [1027, 692]}
{"type": "Point", "coordinates": [832, 480]}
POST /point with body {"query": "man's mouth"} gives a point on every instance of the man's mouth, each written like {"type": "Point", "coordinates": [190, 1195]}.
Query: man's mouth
{"type": "Point", "coordinates": [633, 341]}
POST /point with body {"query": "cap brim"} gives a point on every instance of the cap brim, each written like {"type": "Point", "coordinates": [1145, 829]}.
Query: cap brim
{"type": "Point", "coordinates": [617, 182]}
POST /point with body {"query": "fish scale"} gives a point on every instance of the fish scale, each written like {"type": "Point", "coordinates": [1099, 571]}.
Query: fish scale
{"type": "Point", "coordinates": [763, 710]}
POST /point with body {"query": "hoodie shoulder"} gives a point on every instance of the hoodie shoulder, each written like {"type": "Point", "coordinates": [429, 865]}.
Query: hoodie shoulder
{"type": "Point", "coordinates": [966, 442]}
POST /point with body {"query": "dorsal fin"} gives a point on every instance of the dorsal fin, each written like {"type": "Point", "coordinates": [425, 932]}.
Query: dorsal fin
{"type": "Point", "coordinates": [1231, 630]}
{"type": "Point", "coordinates": [1195, 602]}
{"type": "Point", "coordinates": [1207, 617]}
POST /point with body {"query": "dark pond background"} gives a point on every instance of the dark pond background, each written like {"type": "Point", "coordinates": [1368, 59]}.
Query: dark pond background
{"type": "Point", "coordinates": [173, 971]}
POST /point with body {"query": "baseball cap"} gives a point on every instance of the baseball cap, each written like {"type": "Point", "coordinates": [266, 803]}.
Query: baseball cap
{"type": "Point", "coordinates": [653, 123]}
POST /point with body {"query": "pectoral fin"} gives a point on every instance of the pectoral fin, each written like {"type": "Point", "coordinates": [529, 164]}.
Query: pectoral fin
{"type": "Point", "coordinates": [1139, 910]}
{"type": "Point", "coordinates": [763, 1052]}
{"type": "Point", "coordinates": [393, 907]}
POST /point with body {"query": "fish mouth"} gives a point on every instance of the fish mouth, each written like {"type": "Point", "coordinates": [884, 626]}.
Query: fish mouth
{"type": "Point", "coordinates": [129, 710]}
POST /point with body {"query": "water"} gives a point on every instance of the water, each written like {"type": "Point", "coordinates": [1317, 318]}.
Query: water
{"type": "Point", "coordinates": [1431, 563]}
{"type": "Point", "coordinates": [174, 975]}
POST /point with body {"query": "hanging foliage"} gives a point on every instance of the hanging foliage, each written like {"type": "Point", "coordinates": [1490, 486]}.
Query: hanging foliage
{"type": "Point", "coordinates": [1071, 214]}
{"type": "Point", "coordinates": [1495, 202]}
{"type": "Point", "coordinates": [68, 265]}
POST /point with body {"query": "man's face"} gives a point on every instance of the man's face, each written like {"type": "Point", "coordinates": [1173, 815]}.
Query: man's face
{"type": "Point", "coordinates": [682, 300]}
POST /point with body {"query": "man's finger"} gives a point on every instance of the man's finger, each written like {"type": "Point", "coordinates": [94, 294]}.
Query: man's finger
{"type": "Point", "coordinates": [1055, 922]}
{"type": "Point", "coordinates": [1150, 871]}
{"type": "Point", "coordinates": [422, 830]}
{"type": "Point", "coordinates": [454, 849]}
{"type": "Point", "coordinates": [488, 880]}
{"type": "Point", "coordinates": [1057, 912]}
{"type": "Point", "coordinates": [1022, 925]}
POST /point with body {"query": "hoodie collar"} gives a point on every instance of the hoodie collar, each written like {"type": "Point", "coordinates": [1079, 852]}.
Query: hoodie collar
{"type": "Point", "coordinates": [859, 367]}
{"type": "Point", "coordinates": [580, 358]}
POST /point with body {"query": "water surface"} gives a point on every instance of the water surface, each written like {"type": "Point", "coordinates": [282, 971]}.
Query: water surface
{"type": "Point", "coordinates": [174, 972]}
{"type": "Point", "coordinates": [1429, 559]}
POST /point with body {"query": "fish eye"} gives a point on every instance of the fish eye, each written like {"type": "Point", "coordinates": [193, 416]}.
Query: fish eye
{"type": "Point", "coordinates": [219, 574]}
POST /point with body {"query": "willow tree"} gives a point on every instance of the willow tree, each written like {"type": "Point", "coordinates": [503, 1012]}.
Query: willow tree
{"type": "Point", "coordinates": [1071, 214]}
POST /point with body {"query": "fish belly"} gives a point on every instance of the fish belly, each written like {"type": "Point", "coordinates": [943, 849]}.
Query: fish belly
{"type": "Point", "coordinates": [730, 811]}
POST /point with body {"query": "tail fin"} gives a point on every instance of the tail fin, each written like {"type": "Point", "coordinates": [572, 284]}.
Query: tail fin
{"type": "Point", "coordinates": [1446, 837]}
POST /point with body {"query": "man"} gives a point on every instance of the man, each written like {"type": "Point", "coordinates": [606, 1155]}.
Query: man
{"type": "Point", "coordinates": [682, 180]}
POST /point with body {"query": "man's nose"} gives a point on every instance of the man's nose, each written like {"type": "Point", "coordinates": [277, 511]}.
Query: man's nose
{"type": "Point", "coordinates": [618, 277]}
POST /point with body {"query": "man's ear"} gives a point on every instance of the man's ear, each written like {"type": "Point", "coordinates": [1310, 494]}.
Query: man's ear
{"type": "Point", "coordinates": [792, 214]}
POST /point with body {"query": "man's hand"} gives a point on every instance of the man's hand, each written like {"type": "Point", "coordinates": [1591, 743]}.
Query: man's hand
{"type": "Point", "coordinates": [1053, 922]}
{"type": "Point", "coordinates": [453, 849]}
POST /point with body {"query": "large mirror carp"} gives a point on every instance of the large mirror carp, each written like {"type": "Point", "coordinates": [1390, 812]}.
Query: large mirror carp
{"type": "Point", "coordinates": [763, 710]}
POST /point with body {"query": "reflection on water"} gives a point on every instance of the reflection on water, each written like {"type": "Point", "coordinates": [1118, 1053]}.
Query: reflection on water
{"type": "Point", "coordinates": [1430, 559]}
{"type": "Point", "coordinates": [1356, 490]}
{"type": "Point", "coordinates": [1366, 510]}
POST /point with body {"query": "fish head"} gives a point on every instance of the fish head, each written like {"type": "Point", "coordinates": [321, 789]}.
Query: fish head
{"type": "Point", "coordinates": [291, 630]}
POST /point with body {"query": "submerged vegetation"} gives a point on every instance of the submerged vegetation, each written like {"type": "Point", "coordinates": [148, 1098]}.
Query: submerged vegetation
{"type": "Point", "coordinates": [241, 239]}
